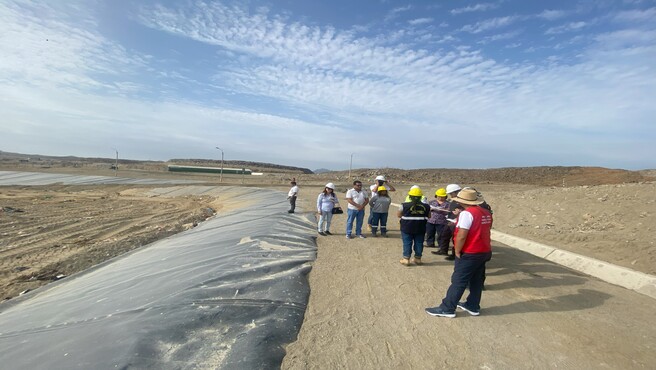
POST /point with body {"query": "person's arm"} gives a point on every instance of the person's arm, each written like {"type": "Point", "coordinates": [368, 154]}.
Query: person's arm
{"type": "Point", "coordinates": [391, 188]}
{"type": "Point", "coordinates": [366, 201]}
{"type": "Point", "coordinates": [349, 199]}
{"type": "Point", "coordinates": [319, 199]}
{"type": "Point", "coordinates": [460, 241]}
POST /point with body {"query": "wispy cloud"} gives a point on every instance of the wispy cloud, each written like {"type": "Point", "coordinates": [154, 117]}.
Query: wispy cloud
{"type": "Point", "coordinates": [637, 15]}
{"type": "Point", "coordinates": [396, 12]}
{"type": "Point", "coordinates": [489, 24]}
{"type": "Point", "coordinates": [552, 15]}
{"type": "Point", "coordinates": [569, 27]}
{"type": "Point", "coordinates": [418, 21]}
{"type": "Point", "coordinates": [322, 89]}
{"type": "Point", "coordinates": [475, 8]}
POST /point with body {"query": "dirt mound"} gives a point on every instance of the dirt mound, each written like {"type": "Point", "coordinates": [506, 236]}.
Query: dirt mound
{"type": "Point", "coordinates": [541, 176]}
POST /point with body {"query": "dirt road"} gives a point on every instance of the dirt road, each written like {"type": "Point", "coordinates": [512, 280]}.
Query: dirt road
{"type": "Point", "coordinates": [367, 311]}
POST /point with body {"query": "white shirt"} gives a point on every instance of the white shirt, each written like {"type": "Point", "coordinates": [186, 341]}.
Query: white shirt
{"type": "Point", "coordinates": [357, 197]}
{"type": "Point", "coordinates": [293, 191]}
{"type": "Point", "coordinates": [374, 189]}
{"type": "Point", "coordinates": [465, 220]}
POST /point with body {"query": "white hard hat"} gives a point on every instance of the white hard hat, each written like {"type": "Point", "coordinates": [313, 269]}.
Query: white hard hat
{"type": "Point", "coordinates": [330, 185]}
{"type": "Point", "coordinates": [452, 187]}
{"type": "Point", "coordinates": [380, 177]}
{"type": "Point", "coordinates": [414, 187]}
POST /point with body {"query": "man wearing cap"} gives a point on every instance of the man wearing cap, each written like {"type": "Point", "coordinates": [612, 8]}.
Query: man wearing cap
{"type": "Point", "coordinates": [380, 181]}
{"type": "Point", "coordinates": [473, 250]}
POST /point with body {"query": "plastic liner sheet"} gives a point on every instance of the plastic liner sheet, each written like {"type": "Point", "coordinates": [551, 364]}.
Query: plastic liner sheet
{"type": "Point", "coordinates": [38, 178]}
{"type": "Point", "coordinates": [230, 294]}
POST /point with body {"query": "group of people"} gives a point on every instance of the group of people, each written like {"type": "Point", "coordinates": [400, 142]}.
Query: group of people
{"type": "Point", "coordinates": [456, 214]}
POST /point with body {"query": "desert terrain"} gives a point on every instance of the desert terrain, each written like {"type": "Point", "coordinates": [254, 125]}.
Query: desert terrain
{"type": "Point", "coordinates": [50, 232]}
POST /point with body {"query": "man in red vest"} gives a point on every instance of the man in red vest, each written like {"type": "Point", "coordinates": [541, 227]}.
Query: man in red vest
{"type": "Point", "coordinates": [473, 250]}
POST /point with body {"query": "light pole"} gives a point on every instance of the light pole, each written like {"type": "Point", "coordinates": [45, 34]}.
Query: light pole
{"type": "Point", "coordinates": [351, 165]}
{"type": "Point", "coordinates": [116, 164]}
{"type": "Point", "coordinates": [221, 176]}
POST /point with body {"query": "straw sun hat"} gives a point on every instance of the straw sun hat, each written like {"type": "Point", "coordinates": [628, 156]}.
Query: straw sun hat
{"type": "Point", "coordinates": [469, 197]}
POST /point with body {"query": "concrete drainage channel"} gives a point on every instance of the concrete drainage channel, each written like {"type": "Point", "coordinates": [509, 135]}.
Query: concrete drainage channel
{"type": "Point", "coordinates": [608, 272]}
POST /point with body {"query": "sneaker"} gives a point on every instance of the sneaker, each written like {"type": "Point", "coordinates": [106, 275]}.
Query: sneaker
{"type": "Point", "coordinates": [429, 246]}
{"type": "Point", "coordinates": [349, 237]}
{"type": "Point", "coordinates": [328, 232]}
{"type": "Point", "coordinates": [322, 233]}
{"type": "Point", "coordinates": [463, 306]}
{"type": "Point", "coordinates": [438, 311]}
{"type": "Point", "coordinates": [362, 236]}
{"type": "Point", "coordinates": [440, 252]}
{"type": "Point", "coordinates": [405, 261]}
{"type": "Point", "coordinates": [290, 211]}
{"type": "Point", "coordinates": [417, 261]}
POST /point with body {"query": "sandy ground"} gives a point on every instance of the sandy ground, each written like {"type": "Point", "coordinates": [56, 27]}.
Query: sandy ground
{"type": "Point", "coordinates": [366, 310]}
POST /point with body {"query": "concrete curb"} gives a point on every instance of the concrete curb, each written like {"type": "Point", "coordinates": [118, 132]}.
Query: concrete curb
{"type": "Point", "coordinates": [617, 275]}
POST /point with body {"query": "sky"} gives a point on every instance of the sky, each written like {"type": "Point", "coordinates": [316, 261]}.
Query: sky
{"type": "Point", "coordinates": [333, 83]}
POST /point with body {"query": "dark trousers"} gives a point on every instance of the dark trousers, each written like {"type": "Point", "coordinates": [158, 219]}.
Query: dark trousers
{"type": "Point", "coordinates": [378, 218]}
{"type": "Point", "coordinates": [468, 271]}
{"type": "Point", "coordinates": [444, 239]}
{"type": "Point", "coordinates": [292, 203]}
{"type": "Point", "coordinates": [431, 231]}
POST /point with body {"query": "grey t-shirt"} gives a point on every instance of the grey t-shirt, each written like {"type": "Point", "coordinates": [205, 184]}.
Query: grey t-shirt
{"type": "Point", "coordinates": [380, 204]}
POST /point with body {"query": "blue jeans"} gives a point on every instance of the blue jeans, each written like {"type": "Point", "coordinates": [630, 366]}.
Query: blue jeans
{"type": "Point", "coordinates": [358, 216]}
{"type": "Point", "coordinates": [408, 240]}
{"type": "Point", "coordinates": [469, 270]}
{"type": "Point", "coordinates": [379, 218]}
{"type": "Point", "coordinates": [324, 221]}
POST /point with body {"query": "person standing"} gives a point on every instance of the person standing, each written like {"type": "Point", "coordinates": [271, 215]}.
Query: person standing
{"type": "Point", "coordinates": [413, 215]}
{"type": "Point", "coordinates": [380, 181]}
{"type": "Point", "coordinates": [436, 223]}
{"type": "Point", "coordinates": [444, 239]}
{"type": "Point", "coordinates": [326, 201]}
{"type": "Point", "coordinates": [473, 248]}
{"type": "Point", "coordinates": [380, 204]}
{"type": "Point", "coordinates": [293, 193]}
{"type": "Point", "coordinates": [357, 199]}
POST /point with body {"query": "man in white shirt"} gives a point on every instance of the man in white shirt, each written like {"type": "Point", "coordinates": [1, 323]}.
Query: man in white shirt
{"type": "Point", "coordinates": [357, 199]}
{"type": "Point", "coordinates": [293, 193]}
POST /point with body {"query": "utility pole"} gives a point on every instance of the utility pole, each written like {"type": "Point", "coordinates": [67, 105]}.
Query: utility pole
{"type": "Point", "coordinates": [350, 166]}
{"type": "Point", "coordinates": [116, 164]}
{"type": "Point", "coordinates": [221, 176]}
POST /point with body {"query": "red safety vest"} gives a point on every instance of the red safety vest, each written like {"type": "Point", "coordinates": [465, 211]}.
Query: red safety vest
{"type": "Point", "coordinates": [478, 237]}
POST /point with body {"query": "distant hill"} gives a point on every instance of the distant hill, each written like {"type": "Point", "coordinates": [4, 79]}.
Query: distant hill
{"type": "Point", "coordinates": [71, 161]}
{"type": "Point", "coordinates": [542, 175]}
{"type": "Point", "coordinates": [321, 170]}
{"type": "Point", "coordinates": [255, 166]}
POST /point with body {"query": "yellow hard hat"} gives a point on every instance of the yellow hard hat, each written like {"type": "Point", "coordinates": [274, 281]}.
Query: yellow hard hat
{"type": "Point", "coordinates": [415, 192]}
{"type": "Point", "coordinates": [381, 188]}
{"type": "Point", "coordinates": [441, 192]}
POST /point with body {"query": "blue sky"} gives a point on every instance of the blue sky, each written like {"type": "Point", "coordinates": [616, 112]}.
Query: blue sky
{"type": "Point", "coordinates": [415, 84]}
